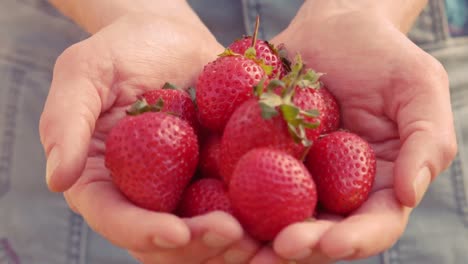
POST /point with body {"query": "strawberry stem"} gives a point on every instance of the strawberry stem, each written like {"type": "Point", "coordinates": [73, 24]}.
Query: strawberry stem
{"type": "Point", "coordinates": [255, 33]}
{"type": "Point", "coordinates": [306, 151]}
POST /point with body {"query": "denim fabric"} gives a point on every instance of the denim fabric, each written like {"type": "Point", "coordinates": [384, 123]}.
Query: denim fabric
{"type": "Point", "coordinates": [457, 16]}
{"type": "Point", "coordinates": [37, 227]}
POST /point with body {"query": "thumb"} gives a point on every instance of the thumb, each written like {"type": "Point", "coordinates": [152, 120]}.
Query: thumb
{"type": "Point", "coordinates": [68, 119]}
{"type": "Point", "coordinates": [427, 135]}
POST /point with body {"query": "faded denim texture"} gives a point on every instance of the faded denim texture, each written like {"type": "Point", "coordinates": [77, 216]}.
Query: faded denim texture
{"type": "Point", "coordinates": [36, 226]}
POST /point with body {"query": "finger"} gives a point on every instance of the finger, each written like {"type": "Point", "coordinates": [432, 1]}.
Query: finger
{"type": "Point", "coordinates": [111, 215]}
{"type": "Point", "coordinates": [316, 257]}
{"type": "Point", "coordinates": [238, 253]}
{"type": "Point", "coordinates": [267, 256]}
{"type": "Point", "coordinates": [373, 228]}
{"type": "Point", "coordinates": [424, 117]}
{"type": "Point", "coordinates": [69, 116]}
{"type": "Point", "coordinates": [211, 235]}
{"type": "Point", "coordinates": [305, 235]}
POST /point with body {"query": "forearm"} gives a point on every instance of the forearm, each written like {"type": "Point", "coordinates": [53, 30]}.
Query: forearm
{"type": "Point", "coordinates": [93, 15]}
{"type": "Point", "coordinates": [402, 13]}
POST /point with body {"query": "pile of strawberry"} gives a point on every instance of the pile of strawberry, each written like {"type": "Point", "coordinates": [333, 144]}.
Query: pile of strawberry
{"type": "Point", "coordinates": [261, 140]}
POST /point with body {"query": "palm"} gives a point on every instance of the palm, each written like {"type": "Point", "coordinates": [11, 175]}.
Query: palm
{"type": "Point", "coordinates": [139, 59]}
{"type": "Point", "coordinates": [378, 83]}
{"type": "Point", "coordinates": [110, 70]}
{"type": "Point", "coordinates": [364, 76]}
{"type": "Point", "coordinates": [128, 59]}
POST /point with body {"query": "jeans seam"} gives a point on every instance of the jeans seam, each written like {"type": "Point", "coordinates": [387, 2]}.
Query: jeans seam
{"type": "Point", "coordinates": [77, 237]}
{"type": "Point", "coordinates": [459, 190]}
{"type": "Point", "coordinates": [246, 15]}
{"type": "Point", "coordinates": [393, 255]}
{"type": "Point", "coordinates": [384, 257]}
{"type": "Point", "coordinates": [8, 135]}
{"type": "Point", "coordinates": [439, 21]}
{"type": "Point", "coordinates": [7, 254]}
{"type": "Point", "coordinates": [252, 8]}
{"type": "Point", "coordinates": [261, 29]}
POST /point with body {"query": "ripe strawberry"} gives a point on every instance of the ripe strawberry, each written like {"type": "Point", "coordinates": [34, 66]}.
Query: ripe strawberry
{"type": "Point", "coordinates": [343, 166]}
{"type": "Point", "coordinates": [330, 112]}
{"type": "Point", "coordinates": [270, 190]}
{"type": "Point", "coordinates": [223, 85]}
{"type": "Point", "coordinates": [310, 98]}
{"type": "Point", "coordinates": [273, 120]}
{"type": "Point", "coordinates": [247, 129]}
{"type": "Point", "coordinates": [175, 101]}
{"type": "Point", "coordinates": [152, 157]}
{"type": "Point", "coordinates": [209, 157]}
{"type": "Point", "coordinates": [204, 196]}
{"type": "Point", "coordinates": [267, 53]}
{"type": "Point", "coordinates": [264, 51]}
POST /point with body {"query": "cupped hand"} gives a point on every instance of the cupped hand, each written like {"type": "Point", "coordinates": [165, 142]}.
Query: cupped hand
{"type": "Point", "coordinates": [394, 95]}
{"type": "Point", "coordinates": [93, 83]}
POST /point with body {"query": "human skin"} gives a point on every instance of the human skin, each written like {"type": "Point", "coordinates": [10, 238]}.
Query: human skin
{"type": "Point", "coordinates": [397, 92]}
{"type": "Point", "coordinates": [394, 95]}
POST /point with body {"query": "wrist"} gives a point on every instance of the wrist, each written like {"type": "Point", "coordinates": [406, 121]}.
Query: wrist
{"type": "Point", "coordinates": [401, 13]}
{"type": "Point", "coordinates": [93, 15]}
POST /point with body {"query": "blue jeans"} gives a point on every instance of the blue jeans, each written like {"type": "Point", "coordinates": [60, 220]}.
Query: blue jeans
{"type": "Point", "coordinates": [37, 227]}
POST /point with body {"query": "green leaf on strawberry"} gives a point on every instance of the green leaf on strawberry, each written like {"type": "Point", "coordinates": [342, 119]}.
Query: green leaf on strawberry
{"type": "Point", "coordinates": [170, 86]}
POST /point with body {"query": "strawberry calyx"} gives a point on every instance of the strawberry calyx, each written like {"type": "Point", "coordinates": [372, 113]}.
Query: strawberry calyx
{"type": "Point", "coordinates": [169, 86]}
{"type": "Point", "coordinates": [282, 53]}
{"type": "Point", "coordinates": [190, 91]}
{"type": "Point", "coordinates": [301, 76]}
{"type": "Point", "coordinates": [273, 104]}
{"type": "Point", "coordinates": [141, 106]}
{"type": "Point", "coordinates": [250, 54]}
{"type": "Point", "coordinates": [193, 94]}
{"type": "Point", "coordinates": [228, 52]}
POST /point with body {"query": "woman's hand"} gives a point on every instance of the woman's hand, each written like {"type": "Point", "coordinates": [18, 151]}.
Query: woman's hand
{"type": "Point", "coordinates": [93, 83]}
{"type": "Point", "coordinates": [394, 95]}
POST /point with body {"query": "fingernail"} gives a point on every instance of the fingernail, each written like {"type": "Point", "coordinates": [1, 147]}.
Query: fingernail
{"type": "Point", "coordinates": [421, 183]}
{"type": "Point", "coordinates": [163, 243]}
{"type": "Point", "coordinates": [214, 240]}
{"type": "Point", "coordinates": [346, 254]}
{"type": "Point", "coordinates": [53, 161]}
{"type": "Point", "coordinates": [302, 254]}
{"type": "Point", "coordinates": [235, 256]}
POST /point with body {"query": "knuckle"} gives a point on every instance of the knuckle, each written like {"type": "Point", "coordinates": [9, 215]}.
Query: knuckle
{"type": "Point", "coordinates": [449, 149]}
{"type": "Point", "coordinates": [423, 70]}
{"type": "Point", "coordinates": [437, 70]}
{"type": "Point", "coordinates": [432, 72]}
{"type": "Point", "coordinates": [73, 58]}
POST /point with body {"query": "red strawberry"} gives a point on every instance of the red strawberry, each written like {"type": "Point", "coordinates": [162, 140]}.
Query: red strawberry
{"type": "Point", "coordinates": [152, 157]}
{"type": "Point", "coordinates": [264, 51]}
{"type": "Point", "coordinates": [330, 112]}
{"type": "Point", "coordinates": [270, 190]}
{"type": "Point", "coordinates": [247, 129]}
{"type": "Point", "coordinates": [204, 196]}
{"type": "Point", "coordinates": [309, 98]}
{"type": "Point", "coordinates": [275, 120]}
{"type": "Point", "coordinates": [223, 85]}
{"type": "Point", "coordinates": [174, 101]}
{"type": "Point", "coordinates": [343, 166]}
{"type": "Point", "coordinates": [209, 157]}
